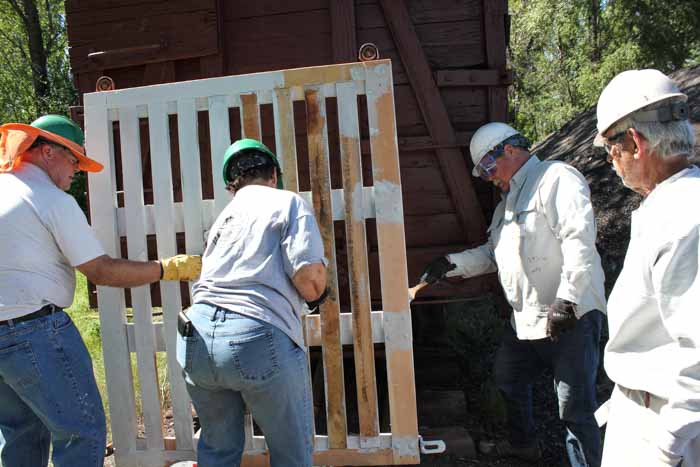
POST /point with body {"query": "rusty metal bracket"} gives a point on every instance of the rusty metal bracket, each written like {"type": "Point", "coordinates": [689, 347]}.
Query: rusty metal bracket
{"type": "Point", "coordinates": [368, 52]}
{"type": "Point", "coordinates": [105, 83]}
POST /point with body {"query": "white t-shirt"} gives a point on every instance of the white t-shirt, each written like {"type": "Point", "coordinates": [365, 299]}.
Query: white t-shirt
{"type": "Point", "coordinates": [43, 236]}
{"type": "Point", "coordinates": [257, 244]}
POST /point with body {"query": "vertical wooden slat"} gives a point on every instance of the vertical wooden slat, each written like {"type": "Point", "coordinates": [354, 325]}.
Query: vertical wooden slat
{"type": "Point", "coordinates": [103, 214]}
{"type": "Point", "coordinates": [159, 133]}
{"type": "Point", "coordinates": [140, 296]}
{"type": "Point", "coordinates": [495, 37]}
{"type": "Point", "coordinates": [190, 173]}
{"type": "Point", "coordinates": [220, 136]}
{"type": "Point", "coordinates": [392, 263]}
{"type": "Point", "coordinates": [343, 35]}
{"type": "Point", "coordinates": [319, 171]}
{"type": "Point", "coordinates": [285, 139]}
{"type": "Point", "coordinates": [250, 117]}
{"type": "Point", "coordinates": [454, 169]}
{"type": "Point", "coordinates": [358, 267]}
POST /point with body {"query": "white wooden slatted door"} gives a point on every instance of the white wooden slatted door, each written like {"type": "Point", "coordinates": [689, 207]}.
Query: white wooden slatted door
{"type": "Point", "coordinates": [152, 109]}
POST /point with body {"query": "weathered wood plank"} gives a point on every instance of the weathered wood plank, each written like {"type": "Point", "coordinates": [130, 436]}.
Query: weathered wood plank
{"type": "Point", "coordinates": [164, 213]}
{"type": "Point", "coordinates": [319, 168]}
{"type": "Point", "coordinates": [285, 140]}
{"type": "Point", "coordinates": [103, 215]}
{"type": "Point", "coordinates": [250, 116]}
{"type": "Point", "coordinates": [220, 137]}
{"type": "Point", "coordinates": [246, 10]}
{"type": "Point", "coordinates": [143, 39]}
{"type": "Point", "coordinates": [190, 175]}
{"type": "Point", "coordinates": [290, 46]}
{"type": "Point", "coordinates": [392, 264]}
{"type": "Point", "coordinates": [495, 34]}
{"type": "Point", "coordinates": [445, 78]}
{"type": "Point", "coordinates": [456, 175]}
{"type": "Point", "coordinates": [140, 296]}
{"type": "Point", "coordinates": [343, 35]}
{"type": "Point", "coordinates": [356, 243]}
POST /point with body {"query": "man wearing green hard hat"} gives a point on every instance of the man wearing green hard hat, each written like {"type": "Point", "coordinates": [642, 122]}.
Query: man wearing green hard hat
{"type": "Point", "coordinates": [241, 343]}
{"type": "Point", "coordinates": [48, 393]}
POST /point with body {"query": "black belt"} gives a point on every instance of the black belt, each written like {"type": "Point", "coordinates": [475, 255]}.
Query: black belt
{"type": "Point", "coordinates": [46, 310]}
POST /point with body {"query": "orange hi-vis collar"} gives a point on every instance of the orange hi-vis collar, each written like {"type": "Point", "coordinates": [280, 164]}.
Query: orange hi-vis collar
{"type": "Point", "coordinates": [17, 138]}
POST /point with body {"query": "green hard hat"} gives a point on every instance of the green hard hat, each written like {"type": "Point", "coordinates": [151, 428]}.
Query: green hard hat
{"type": "Point", "coordinates": [247, 144]}
{"type": "Point", "coordinates": [61, 126]}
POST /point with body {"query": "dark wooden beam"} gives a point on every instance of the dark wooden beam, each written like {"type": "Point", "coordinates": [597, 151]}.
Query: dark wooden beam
{"type": "Point", "coordinates": [343, 35]}
{"type": "Point", "coordinates": [448, 78]}
{"type": "Point", "coordinates": [454, 169]}
{"type": "Point", "coordinates": [495, 34]}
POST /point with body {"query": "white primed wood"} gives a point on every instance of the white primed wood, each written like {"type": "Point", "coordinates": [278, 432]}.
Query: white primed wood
{"type": "Point", "coordinates": [265, 96]}
{"type": "Point", "coordinates": [229, 85]}
{"type": "Point", "coordinates": [164, 214]}
{"type": "Point", "coordinates": [220, 136]}
{"type": "Point", "coordinates": [312, 325]}
{"type": "Point", "coordinates": [248, 427]}
{"type": "Point", "coordinates": [194, 216]}
{"type": "Point", "coordinates": [207, 211]}
{"type": "Point", "coordinates": [140, 296]}
{"type": "Point", "coordinates": [103, 213]}
{"type": "Point", "coordinates": [190, 175]}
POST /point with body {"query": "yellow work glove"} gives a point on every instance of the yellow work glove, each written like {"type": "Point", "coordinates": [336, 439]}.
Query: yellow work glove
{"type": "Point", "coordinates": [180, 268]}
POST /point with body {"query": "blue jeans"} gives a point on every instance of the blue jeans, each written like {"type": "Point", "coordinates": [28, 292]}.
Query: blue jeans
{"type": "Point", "coordinates": [232, 361]}
{"type": "Point", "coordinates": [48, 394]}
{"type": "Point", "coordinates": [573, 360]}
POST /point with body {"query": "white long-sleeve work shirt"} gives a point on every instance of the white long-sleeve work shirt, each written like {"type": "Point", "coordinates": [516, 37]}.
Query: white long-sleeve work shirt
{"type": "Point", "coordinates": [542, 242]}
{"type": "Point", "coordinates": [654, 308]}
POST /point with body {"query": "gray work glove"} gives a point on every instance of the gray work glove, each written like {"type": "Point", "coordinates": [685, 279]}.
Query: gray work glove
{"type": "Point", "coordinates": [437, 270]}
{"type": "Point", "coordinates": [560, 318]}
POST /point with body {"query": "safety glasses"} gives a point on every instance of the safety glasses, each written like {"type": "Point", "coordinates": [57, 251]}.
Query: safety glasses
{"type": "Point", "coordinates": [610, 143]}
{"type": "Point", "coordinates": [487, 165]}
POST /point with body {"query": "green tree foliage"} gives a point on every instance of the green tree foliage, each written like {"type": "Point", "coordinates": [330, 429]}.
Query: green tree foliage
{"type": "Point", "coordinates": [564, 53]}
{"type": "Point", "coordinates": [35, 77]}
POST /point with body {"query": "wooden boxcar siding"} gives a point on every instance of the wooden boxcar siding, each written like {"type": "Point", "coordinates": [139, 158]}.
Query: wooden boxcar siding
{"type": "Point", "coordinates": [219, 37]}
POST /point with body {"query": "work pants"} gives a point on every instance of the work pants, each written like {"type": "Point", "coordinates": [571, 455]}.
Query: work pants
{"type": "Point", "coordinates": [573, 360]}
{"type": "Point", "coordinates": [48, 395]}
{"type": "Point", "coordinates": [233, 361]}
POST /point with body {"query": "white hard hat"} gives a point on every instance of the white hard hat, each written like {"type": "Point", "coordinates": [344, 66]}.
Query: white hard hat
{"type": "Point", "coordinates": [630, 91]}
{"type": "Point", "coordinates": [486, 138]}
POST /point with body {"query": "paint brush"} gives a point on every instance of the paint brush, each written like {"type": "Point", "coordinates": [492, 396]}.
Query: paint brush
{"type": "Point", "coordinates": [414, 290]}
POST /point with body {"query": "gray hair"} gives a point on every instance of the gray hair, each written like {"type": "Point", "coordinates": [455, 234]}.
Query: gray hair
{"type": "Point", "coordinates": [671, 138]}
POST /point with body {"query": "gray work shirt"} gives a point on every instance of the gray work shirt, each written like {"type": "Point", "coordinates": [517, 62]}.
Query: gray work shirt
{"type": "Point", "coordinates": [256, 245]}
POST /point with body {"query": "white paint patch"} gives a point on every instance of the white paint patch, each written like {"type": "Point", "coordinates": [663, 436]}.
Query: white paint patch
{"type": "Point", "coordinates": [404, 446]}
{"type": "Point", "coordinates": [387, 201]}
{"type": "Point", "coordinates": [358, 73]}
{"type": "Point", "coordinates": [397, 331]}
{"type": "Point", "coordinates": [357, 202]}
